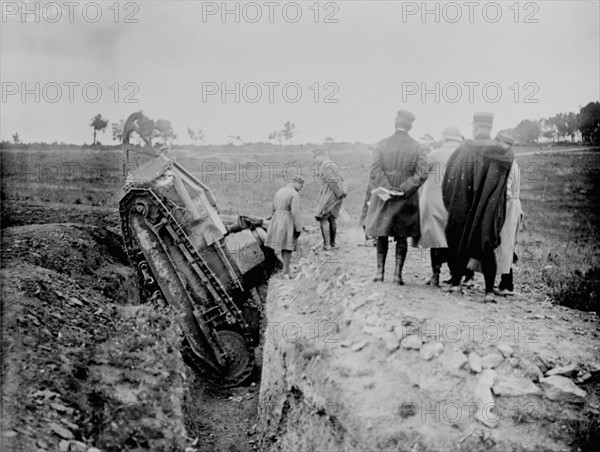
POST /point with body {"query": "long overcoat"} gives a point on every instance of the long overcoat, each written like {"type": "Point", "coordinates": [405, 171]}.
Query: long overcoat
{"type": "Point", "coordinates": [285, 220]}
{"type": "Point", "coordinates": [434, 215]}
{"type": "Point", "coordinates": [332, 190]}
{"type": "Point", "coordinates": [474, 193]}
{"type": "Point", "coordinates": [399, 163]}
{"type": "Point", "coordinates": [512, 222]}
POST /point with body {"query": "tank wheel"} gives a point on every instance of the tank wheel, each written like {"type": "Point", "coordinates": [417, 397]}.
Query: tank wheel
{"type": "Point", "coordinates": [241, 359]}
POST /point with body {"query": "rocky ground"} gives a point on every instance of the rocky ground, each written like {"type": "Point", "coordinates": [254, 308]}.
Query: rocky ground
{"type": "Point", "coordinates": [355, 365]}
{"type": "Point", "coordinates": [348, 363]}
{"type": "Point", "coordinates": [85, 367]}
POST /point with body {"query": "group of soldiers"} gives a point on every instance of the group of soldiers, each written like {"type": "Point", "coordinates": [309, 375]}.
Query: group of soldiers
{"type": "Point", "coordinates": [461, 201]}
{"type": "Point", "coordinates": [286, 222]}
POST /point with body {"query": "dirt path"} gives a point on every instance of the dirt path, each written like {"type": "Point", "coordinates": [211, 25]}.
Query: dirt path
{"type": "Point", "coordinates": [354, 379]}
{"type": "Point", "coordinates": [223, 420]}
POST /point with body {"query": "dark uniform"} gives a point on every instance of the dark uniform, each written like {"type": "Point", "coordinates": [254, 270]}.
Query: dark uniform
{"type": "Point", "coordinates": [399, 163]}
{"type": "Point", "coordinates": [474, 193]}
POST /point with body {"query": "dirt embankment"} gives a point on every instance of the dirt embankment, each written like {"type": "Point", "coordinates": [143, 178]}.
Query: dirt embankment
{"type": "Point", "coordinates": [83, 365]}
{"type": "Point", "coordinates": [354, 365]}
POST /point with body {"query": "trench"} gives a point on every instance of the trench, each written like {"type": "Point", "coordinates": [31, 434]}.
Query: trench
{"type": "Point", "coordinates": [314, 387]}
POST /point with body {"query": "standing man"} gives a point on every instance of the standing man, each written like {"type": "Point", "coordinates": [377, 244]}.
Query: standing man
{"type": "Point", "coordinates": [431, 206]}
{"type": "Point", "coordinates": [333, 190]}
{"type": "Point", "coordinates": [286, 222]}
{"type": "Point", "coordinates": [474, 193]}
{"type": "Point", "coordinates": [506, 252]}
{"type": "Point", "coordinates": [399, 164]}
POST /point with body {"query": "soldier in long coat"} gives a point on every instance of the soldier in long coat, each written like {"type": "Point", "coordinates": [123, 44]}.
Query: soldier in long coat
{"type": "Point", "coordinates": [474, 193]}
{"type": "Point", "coordinates": [431, 206]}
{"type": "Point", "coordinates": [333, 191]}
{"type": "Point", "coordinates": [508, 234]}
{"type": "Point", "coordinates": [286, 223]}
{"type": "Point", "coordinates": [399, 164]}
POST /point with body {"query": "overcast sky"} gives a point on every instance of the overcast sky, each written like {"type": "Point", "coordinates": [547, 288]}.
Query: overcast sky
{"type": "Point", "coordinates": [369, 56]}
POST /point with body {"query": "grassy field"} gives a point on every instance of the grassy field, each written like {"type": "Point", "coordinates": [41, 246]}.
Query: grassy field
{"type": "Point", "coordinates": [560, 243]}
{"type": "Point", "coordinates": [559, 248]}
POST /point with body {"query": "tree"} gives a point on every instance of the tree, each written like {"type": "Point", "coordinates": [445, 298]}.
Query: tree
{"type": "Point", "coordinates": [548, 134]}
{"type": "Point", "coordinates": [234, 139]}
{"type": "Point", "coordinates": [527, 131]}
{"type": "Point", "coordinates": [99, 124]}
{"type": "Point", "coordinates": [197, 135]}
{"type": "Point", "coordinates": [571, 124]}
{"type": "Point", "coordinates": [164, 129]}
{"type": "Point", "coordinates": [329, 140]}
{"type": "Point", "coordinates": [117, 130]}
{"type": "Point", "coordinates": [16, 138]}
{"type": "Point", "coordinates": [276, 135]}
{"type": "Point", "coordinates": [589, 123]}
{"type": "Point", "coordinates": [289, 130]}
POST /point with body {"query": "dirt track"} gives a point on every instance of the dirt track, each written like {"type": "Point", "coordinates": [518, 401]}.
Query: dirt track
{"type": "Point", "coordinates": [338, 375]}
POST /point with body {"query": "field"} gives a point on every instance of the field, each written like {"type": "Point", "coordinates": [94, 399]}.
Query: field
{"type": "Point", "coordinates": [60, 241]}
{"type": "Point", "coordinates": [560, 192]}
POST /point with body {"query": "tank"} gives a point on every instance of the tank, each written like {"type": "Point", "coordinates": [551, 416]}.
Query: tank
{"type": "Point", "coordinates": [210, 269]}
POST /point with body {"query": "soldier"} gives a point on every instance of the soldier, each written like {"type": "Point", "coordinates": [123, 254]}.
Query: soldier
{"type": "Point", "coordinates": [333, 191]}
{"type": "Point", "coordinates": [474, 193]}
{"type": "Point", "coordinates": [286, 222]}
{"type": "Point", "coordinates": [506, 253]}
{"type": "Point", "coordinates": [400, 165]}
{"type": "Point", "coordinates": [431, 206]}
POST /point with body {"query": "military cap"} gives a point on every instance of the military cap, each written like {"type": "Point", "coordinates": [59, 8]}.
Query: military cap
{"type": "Point", "coordinates": [452, 133]}
{"type": "Point", "coordinates": [298, 180]}
{"type": "Point", "coordinates": [405, 116]}
{"type": "Point", "coordinates": [483, 117]}
{"type": "Point", "coordinates": [319, 151]}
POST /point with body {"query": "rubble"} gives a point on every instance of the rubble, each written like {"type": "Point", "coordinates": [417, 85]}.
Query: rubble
{"type": "Point", "coordinates": [475, 362]}
{"type": "Point", "coordinates": [514, 387]}
{"type": "Point", "coordinates": [491, 360]}
{"type": "Point", "coordinates": [431, 350]}
{"type": "Point", "coordinates": [506, 350]}
{"type": "Point", "coordinates": [562, 389]}
{"type": "Point", "coordinates": [453, 360]}
{"type": "Point", "coordinates": [567, 371]}
{"type": "Point", "coordinates": [411, 342]}
{"type": "Point", "coordinates": [391, 342]}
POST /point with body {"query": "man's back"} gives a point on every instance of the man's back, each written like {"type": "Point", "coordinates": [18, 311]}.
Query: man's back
{"type": "Point", "coordinates": [398, 156]}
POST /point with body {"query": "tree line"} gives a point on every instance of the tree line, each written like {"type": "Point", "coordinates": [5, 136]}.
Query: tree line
{"type": "Point", "coordinates": [583, 126]}
{"type": "Point", "coordinates": [149, 130]}
{"type": "Point", "coordinates": [562, 127]}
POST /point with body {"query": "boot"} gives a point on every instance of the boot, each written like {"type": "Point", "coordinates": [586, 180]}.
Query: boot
{"type": "Point", "coordinates": [436, 266]}
{"type": "Point", "coordinates": [325, 232]}
{"type": "Point", "coordinates": [468, 281]}
{"type": "Point", "coordinates": [332, 231]}
{"type": "Point", "coordinates": [401, 250]}
{"type": "Point", "coordinates": [435, 277]}
{"type": "Point", "coordinates": [382, 248]}
{"type": "Point", "coordinates": [506, 287]}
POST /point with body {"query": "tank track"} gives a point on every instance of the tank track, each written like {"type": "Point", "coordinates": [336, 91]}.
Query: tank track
{"type": "Point", "coordinates": [213, 314]}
